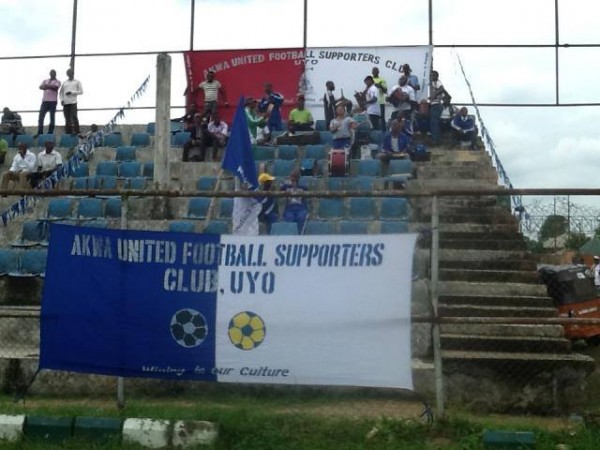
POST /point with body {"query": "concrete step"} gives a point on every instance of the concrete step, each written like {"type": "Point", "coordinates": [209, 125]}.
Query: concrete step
{"type": "Point", "coordinates": [494, 289]}
{"type": "Point", "coordinates": [425, 184]}
{"type": "Point", "coordinates": [486, 300]}
{"type": "Point", "coordinates": [474, 217]}
{"type": "Point", "coordinates": [541, 361]}
{"type": "Point", "coordinates": [483, 244]}
{"type": "Point", "coordinates": [488, 329]}
{"type": "Point", "coordinates": [440, 154]}
{"type": "Point", "coordinates": [467, 310]}
{"type": "Point", "coordinates": [481, 236]}
{"type": "Point", "coordinates": [458, 172]}
{"type": "Point", "coordinates": [483, 276]}
{"type": "Point", "coordinates": [504, 343]}
{"type": "Point", "coordinates": [500, 264]}
{"type": "Point", "coordinates": [466, 227]}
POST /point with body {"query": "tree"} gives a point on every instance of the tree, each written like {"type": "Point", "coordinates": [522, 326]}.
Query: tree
{"type": "Point", "coordinates": [553, 226]}
{"type": "Point", "coordinates": [575, 241]}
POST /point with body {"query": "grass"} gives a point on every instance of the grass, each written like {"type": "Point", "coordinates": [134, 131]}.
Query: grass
{"type": "Point", "coordinates": [249, 421]}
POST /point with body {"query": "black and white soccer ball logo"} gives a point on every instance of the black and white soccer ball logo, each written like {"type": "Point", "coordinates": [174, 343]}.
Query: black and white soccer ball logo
{"type": "Point", "coordinates": [188, 328]}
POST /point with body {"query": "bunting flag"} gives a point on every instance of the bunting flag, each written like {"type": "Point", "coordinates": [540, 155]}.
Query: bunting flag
{"type": "Point", "coordinates": [83, 153]}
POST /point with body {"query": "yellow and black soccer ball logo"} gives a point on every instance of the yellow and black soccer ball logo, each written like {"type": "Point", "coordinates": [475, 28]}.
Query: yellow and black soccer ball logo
{"type": "Point", "coordinates": [247, 330]}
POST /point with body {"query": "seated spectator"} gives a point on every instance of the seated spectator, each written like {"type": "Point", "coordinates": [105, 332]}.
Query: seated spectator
{"type": "Point", "coordinates": [300, 118]}
{"type": "Point", "coordinates": [395, 142]}
{"type": "Point", "coordinates": [187, 119]}
{"type": "Point", "coordinates": [422, 120]}
{"type": "Point", "coordinates": [464, 129]}
{"type": "Point", "coordinates": [194, 150]}
{"type": "Point", "coordinates": [11, 123]}
{"type": "Point", "coordinates": [48, 160]}
{"type": "Point", "coordinates": [216, 135]}
{"type": "Point", "coordinates": [448, 113]}
{"type": "Point", "coordinates": [296, 209]}
{"type": "Point", "coordinates": [24, 163]}
{"type": "Point", "coordinates": [3, 150]}
{"type": "Point", "coordinates": [269, 213]}
{"type": "Point", "coordinates": [341, 127]}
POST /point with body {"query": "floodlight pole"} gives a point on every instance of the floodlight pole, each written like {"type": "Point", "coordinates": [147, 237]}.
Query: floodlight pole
{"type": "Point", "coordinates": [305, 36]}
{"type": "Point", "coordinates": [193, 18]}
{"type": "Point", "coordinates": [556, 53]}
{"type": "Point", "coordinates": [73, 35]}
{"type": "Point", "coordinates": [430, 11]}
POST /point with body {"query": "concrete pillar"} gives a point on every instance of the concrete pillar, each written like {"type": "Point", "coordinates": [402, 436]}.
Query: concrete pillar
{"type": "Point", "coordinates": [162, 172]}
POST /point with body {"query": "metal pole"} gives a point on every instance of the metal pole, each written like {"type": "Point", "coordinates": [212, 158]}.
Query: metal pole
{"type": "Point", "coordinates": [430, 22]}
{"type": "Point", "coordinates": [437, 347]}
{"type": "Point", "coordinates": [73, 35]}
{"type": "Point", "coordinates": [305, 40]}
{"type": "Point", "coordinates": [121, 380]}
{"type": "Point", "coordinates": [556, 42]}
{"type": "Point", "coordinates": [193, 18]}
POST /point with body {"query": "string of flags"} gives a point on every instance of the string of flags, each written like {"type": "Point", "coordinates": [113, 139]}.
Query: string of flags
{"type": "Point", "coordinates": [516, 199]}
{"type": "Point", "coordinates": [83, 153]}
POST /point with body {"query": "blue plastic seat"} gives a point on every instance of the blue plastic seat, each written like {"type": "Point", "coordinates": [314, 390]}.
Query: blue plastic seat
{"type": "Point", "coordinates": [336, 183]}
{"type": "Point", "coordinates": [8, 138]}
{"type": "Point", "coordinates": [331, 208]}
{"type": "Point", "coordinates": [68, 140]}
{"type": "Point", "coordinates": [9, 261]}
{"type": "Point", "coordinates": [394, 226]}
{"type": "Point", "coordinates": [316, 227]}
{"type": "Point", "coordinates": [289, 152]}
{"type": "Point", "coordinates": [369, 167]}
{"type": "Point", "coordinates": [400, 167]}
{"type": "Point", "coordinates": [125, 153]}
{"type": "Point", "coordinates": [182, 226]}
{"type": "Point", "coordinates": [82, 169]}
{"type": "Point", "coordinates": [151, 128]}
{"type": "Point", "coordinates": [362, 208]}
{"type": "Point", "coordinates": [198, 207]}
{"type": "Point", "coordinates": [148, 170]}
{"type": "Point", "coordinates": [284, 229]}
{"type": "Point", "coordinates": [282, 167]}
{"type": "Point", "coordinates": [106, 182]}
{"type": "Point", "coordinates": [137, 183]}
{"type": "Point", "coordinates": [326, 138]}
{"type": "Point", "coordinates": [394, 208]}
{"type": "Point", "coordinates": [32, 263]}
{"type": "Point", "coordinates": [113, 140]}
{"type": "Point", "coordinates": [353, 227]}
{"type": "Point", "coordinates": [376, 136]}
{"type": "Point", "coordinates": [140, 139]}
{"type": "Point", "coordinates": [175, 126]}
{"type": "Point", "coordinates": [179, 139]}
{"type": "Point", "coordinates": [60, 208]}
{"type": "Point", "coordinates": [43, 138]}
{"type": "Point", "coordinates": [90, 208]}
{"type": "Point", "coordinates": [206, 183]}
{"type": "Point", "coordinates": [316, 151]}
{"type": "Point", "coordinates": [113, 208]}
{"type": "Point", "coordinates": [26, 139]}
{"type": "Point", "coordinates": [361, 183]}
{"type": "Point", "coordinates": [320, 125]}
{"type": "Point", "coordinates": [225, 208]}
{"type": "Point", "coordinates": [34, 232]}
{"type": "Point", "coordinates": [263, 153]}
{"type": "Point", "coordinates": [107, 168]}
{"type": "Point", "coordinates": [217, 226]}
{"type": "Point", "coordinates": [129, 169]}
{"type": "Point", "coordinates": [83, 183]}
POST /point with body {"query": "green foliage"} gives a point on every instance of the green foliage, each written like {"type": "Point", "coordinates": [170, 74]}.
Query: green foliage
{"type": "Point", "coordinates": [553, 226]}
{"type": "Point", "coordinates": [575, 241]}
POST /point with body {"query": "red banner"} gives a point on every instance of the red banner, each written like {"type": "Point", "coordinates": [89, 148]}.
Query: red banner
{"type": "Point", "coordinates": [244, 72]}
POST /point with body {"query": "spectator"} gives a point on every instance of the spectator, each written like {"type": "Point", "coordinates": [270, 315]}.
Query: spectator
{"type": "Point", "coordinates": [402, 98]}
{"type": "Point", "coordinates": [11, 123]}
{"type": "Point", "coordinates": [395, 142]}
{"type": "Point", "coordinates": [341, 128]}
{"type": "Point", "coordinates": [194, 150]}
{"type": "Point", "coordinates": [254, 119]}
{"type": "Point", "coordinates": [49, 100]}
{"type": "Point", "coordinates": [216, 135]}
{"type": "Point", "coordinates": [413, 80]}
{"type": "Point", "coordinates": [212, 90]}
{"type": "Point", "coordinates": [436, 95]}
{"type": "Point", "coordinates": [371, 102]}
{"type": "Point", "coordinates": [329, 102]}
{"type": "Point", "coordinates": [448, 113]}
{"type": "Point", "coordinates": [595, 273]}
{"type": "Point", "coordinates": [3, 150]}
{"type": "Point", "coordinates": [381, 86]}
{"type": "Point", "coordinates": [48, 160]}
{"type": "Point", "coordinates": [68, 93]}
{"type": "Point", "coordinates": [463, 129]}
{"type": "Point", "coordinates": [23, 165]}
{"type": "Point", "coordinates": [295, 207]}
{"type": "Point", "coordinates": [300, 118]}
{"type": "Point", "coordinates": [269, 212]}
{"type": "Point", "coordinates": [271, 106]}
{"type": "Point", "coordinates": [188, 118]}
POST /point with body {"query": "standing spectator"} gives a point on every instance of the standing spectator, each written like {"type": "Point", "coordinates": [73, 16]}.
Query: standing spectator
{"type": "Point", "coordinates": [212, 90]}
{"type": "Point", "coordinates": [23, 165]}
{"type": "Point", "coordinates": [329, 103]}
{"type": "Point", "coordinates": [48, 160]}
{"type": "Point", "coordinates": [371, 102]}
{"type": "Point", "coordinates": [300, 118]}
{"type": "Point", "coordinates": [269, 213]}
{"type": "Point", "coordinates": [381, 86]}
{"type": "Point", "coordinates": [402, 99]}
{"type": "Point", "coordinates": [341, 128]}
{"type": "Point", "coordinates": [436, 96]}
{"type": "Point", "coordinates": [11, 123]}
{"type": "Point", "coordinates": [463, 128]}
{"type": "Point", "coordinates": [413, 80]}
{"type": "Point", "coordinates": [68, 93]}
{"type": "Point", "coordinates": [253, 118]}
{"type": "Point", "coordinates": [271, 105]}
{"type": "Point", "coordinates": [216, 135]}
{"type": "Point", "coordinates": [296, 209]}
{"type": "Point", "coordinates": [49, 100]}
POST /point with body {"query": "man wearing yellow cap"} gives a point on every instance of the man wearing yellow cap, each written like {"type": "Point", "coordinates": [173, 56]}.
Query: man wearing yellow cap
{"type": "Point", "coordinates": [269, 213]}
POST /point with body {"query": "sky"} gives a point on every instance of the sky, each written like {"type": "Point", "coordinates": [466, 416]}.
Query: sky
{"type": "Point", "coordinates": [546, 147]}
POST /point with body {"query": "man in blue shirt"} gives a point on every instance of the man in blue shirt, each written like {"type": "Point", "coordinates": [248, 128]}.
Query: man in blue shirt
{"type": "Point", "coordinates": [464, 129]}
{"type": "Point", "coordinates": [271, 104]}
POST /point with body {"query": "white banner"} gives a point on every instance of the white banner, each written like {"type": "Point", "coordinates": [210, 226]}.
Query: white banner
{"type": "Point", "coordinates": [347, 68]}
{"type": "Point", "coordinates": [320, 310]}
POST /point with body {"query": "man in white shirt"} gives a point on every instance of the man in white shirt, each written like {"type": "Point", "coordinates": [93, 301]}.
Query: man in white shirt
{"type": "Point", "coordinates": [217, 135]}
{"type": "Point", "coordinates": [212, 89]}
{"type": "Point", "coordinates": [404, 105]}
{"type": "Point", "coordinates": [23, 165]}
{"type": "Point", "coordinates": [48, 160]}
{"type": "Point", "coordinates": [436, 96]}
{"type": "Point", "coordinates": [69, 91]}
{"type": "Point", "coordinates": [371, 102]}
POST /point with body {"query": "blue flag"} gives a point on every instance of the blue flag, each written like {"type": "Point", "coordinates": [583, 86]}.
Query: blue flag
{"type": "Point", "coordinates": [238, 157]}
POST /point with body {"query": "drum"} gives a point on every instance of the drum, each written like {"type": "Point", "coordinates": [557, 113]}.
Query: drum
{"type": "Point", "coordinates": [424, 108]}
{"type": "Point", "coordinates": [338, 163]}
